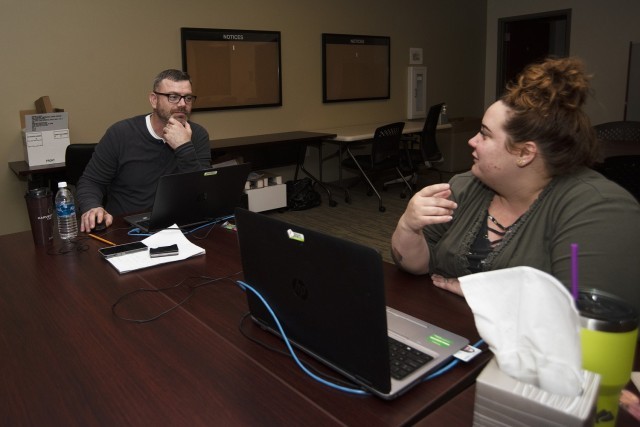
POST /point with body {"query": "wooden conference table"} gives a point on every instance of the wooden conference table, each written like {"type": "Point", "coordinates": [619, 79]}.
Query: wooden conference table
{"type": "Point", "coordinates": [68, 360]}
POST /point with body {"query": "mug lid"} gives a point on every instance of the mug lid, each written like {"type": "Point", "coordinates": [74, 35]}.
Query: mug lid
{"type": "Point", "coordinates": [602, 311]}
{"type": "Point", "coordinates": [38, 192]}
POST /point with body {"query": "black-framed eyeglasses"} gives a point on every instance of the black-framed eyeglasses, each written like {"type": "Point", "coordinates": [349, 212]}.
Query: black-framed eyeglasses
{"type": "Point", "coordinates": [174, 98]}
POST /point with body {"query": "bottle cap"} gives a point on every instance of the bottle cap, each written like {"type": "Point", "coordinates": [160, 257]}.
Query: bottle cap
{"type": "Point", "coordinates": [62, 184]}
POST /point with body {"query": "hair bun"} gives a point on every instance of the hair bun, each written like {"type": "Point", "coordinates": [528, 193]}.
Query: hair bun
{"type": "Point", "coordinates": [552, 85]}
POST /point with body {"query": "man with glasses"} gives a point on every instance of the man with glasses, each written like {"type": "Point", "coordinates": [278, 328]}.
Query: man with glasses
{"type": "Point", "coordinates": [134, 153]}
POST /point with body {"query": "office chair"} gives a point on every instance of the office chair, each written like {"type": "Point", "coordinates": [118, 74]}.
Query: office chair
{"type": "Point", "coordinates": [384, 157]}
{"type": "Point", "coordinates": [619, 138]}
{"type": "Point", "coordinates": [621, 149]}
{"type": "Point", "coordinates": [624, 171]}
{"type": "Point", "coordinates": [76, 158]}
{"type": "Point", "coordinates": [618, 131]}
{"type": "Point", "coordinates": [427, 154]}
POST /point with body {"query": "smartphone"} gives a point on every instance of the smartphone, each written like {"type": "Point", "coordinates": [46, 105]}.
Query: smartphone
{"type": "Point", "coordinates": [163, 251]}
{"type": "Point", "coordinates": [124, 249]}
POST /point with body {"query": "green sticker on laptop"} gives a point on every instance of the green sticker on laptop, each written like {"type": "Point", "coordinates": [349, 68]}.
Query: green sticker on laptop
{"type": "Point", "coordinates": [295, 236]}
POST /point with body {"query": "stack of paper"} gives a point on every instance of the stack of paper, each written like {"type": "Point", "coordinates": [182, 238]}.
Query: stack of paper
{"type": "Point", "coordinates": [169, 236]}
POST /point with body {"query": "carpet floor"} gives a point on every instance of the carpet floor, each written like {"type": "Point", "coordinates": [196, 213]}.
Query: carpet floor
{"type": "Point", "coordinates": [359, 221]}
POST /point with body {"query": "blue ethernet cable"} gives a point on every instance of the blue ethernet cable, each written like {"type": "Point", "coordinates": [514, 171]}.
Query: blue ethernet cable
{"type": "Point", "coordinates": [435, 374]}
{"type": "Point", "coordinates": [245, 286]}
{"type": "Point", "coordinates": [136, 231]}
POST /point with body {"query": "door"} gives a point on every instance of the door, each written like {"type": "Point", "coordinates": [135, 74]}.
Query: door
{"type": "Point", "coordinates": [530, 38]}
{"type": "Point", "coordinates": [632, 105]}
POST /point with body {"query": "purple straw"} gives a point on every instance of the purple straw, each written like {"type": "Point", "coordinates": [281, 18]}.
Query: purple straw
{"type": "Point", "coordinates": [574, 270]}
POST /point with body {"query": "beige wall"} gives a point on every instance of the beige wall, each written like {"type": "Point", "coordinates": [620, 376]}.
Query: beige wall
{"type": "Point", "coordinates": [601, 32]}
{"type": "Point", "coordinates": [96, 59]}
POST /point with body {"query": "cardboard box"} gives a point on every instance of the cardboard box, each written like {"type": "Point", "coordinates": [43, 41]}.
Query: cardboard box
{"type": "Point", "coordinates": [43, 105]}
{"type": "Point", "coordinates": [267, 198]}
{"type": "Point", "coordinates": [504, 401]}
{"type": "Point", "coordinates": [45, 138]}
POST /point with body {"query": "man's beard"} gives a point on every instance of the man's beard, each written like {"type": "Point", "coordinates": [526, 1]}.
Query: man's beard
{"type": "Point", "coordinates": [166, 115]}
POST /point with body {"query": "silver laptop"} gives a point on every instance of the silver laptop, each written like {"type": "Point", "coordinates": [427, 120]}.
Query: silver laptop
{"type": "Point", "coordinates": [192, 198]}
{"type": "Point", "coordinates": [329, 296]}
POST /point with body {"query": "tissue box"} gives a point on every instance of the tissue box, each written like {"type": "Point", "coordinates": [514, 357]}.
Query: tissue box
{"type": "Point", "coordinates": [45, 138]}
{"type": "Point", "coordinates": [504, 401]}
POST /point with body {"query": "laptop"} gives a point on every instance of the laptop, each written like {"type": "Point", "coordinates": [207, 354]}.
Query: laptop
{"type": "Point", "coordinates": [192, 198]}
{"type": "Point", "coordinates": [329, 296]}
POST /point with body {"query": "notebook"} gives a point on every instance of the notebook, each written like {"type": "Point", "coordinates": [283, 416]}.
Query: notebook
{"type": "Point", "coordinates": [191, 198]}
{"type": "Point", "coordinates": [328, 294]}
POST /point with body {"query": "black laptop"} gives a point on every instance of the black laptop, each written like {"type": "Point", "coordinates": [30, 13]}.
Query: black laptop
{"type": "Point", "coordinates": [192, 198]}
{"type": "Point", "coordinates": [328, 294]}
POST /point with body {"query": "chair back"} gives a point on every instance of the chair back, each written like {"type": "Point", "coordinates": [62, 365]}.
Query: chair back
{"type": "Point", "coordinates": [618, 138]}
{"type": "Point", "coordinates": [624, 171]}
{"type": "Point", "coordinates": [620, 145]}
{"type": "Point", "coordinates": [386, 144]}
{"type": "Point", "coordinates": [428, 146]}
{"type": "Point", "coordinates": [618, 131]}
{"type": "Point", "coordinates": [76, 158]}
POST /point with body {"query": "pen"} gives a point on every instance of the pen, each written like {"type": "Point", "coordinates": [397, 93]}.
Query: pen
{"type": "Point", "coordinates": [101, 239]}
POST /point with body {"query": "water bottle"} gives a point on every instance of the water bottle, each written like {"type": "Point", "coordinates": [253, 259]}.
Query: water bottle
{"type": "Point", "coordinates": [66, 213]}
{"type": "Point", "coordinates": [443, 115]}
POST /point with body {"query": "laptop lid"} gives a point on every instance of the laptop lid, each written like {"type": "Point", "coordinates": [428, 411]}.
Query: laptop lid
{"type": "Point", "coordinates": [192, 198]}
{"type": "Point", "coordinates": [328, 294]}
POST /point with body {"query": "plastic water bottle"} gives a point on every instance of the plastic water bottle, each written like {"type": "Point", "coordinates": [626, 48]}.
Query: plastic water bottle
{"type": "Point", "coordinates": [444, 119]}
{"type": "Point", "coordinates": [66, 212]}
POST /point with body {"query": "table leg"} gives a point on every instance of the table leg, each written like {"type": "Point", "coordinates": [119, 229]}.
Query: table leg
{"type": "Point", "coordinates": [300, 166]}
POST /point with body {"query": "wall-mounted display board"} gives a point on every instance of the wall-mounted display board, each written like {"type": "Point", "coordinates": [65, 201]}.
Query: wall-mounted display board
{"type": "Point", "coordinates": [232, 68]}
{"type": "Point", "coordinates": [355, 68]}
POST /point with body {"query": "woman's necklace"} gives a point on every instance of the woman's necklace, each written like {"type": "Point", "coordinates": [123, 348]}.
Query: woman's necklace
{"type": "Point", "coordinates": [500, 233]}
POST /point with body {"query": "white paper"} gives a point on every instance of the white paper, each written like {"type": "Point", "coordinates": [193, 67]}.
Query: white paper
{"type": "Point", "coordinates": [168, 236]}
{"type": "Point", "coordinates": [45, 138]}
{"type": "Point", "coordinates": [46, 122]}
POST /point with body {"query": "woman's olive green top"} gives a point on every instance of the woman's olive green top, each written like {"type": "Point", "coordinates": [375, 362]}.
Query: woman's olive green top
{"type": "Point", "coordinates": [583, 208]}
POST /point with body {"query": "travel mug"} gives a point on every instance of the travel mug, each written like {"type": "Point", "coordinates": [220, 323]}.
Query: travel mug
{"type": "Point", "coordinates": [40, 208]}
{"type": "Point", "coordinates": [609, 335]}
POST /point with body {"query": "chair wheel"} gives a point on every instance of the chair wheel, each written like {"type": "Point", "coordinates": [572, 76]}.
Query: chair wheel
{"type": "Point", "coordinates": [333, 203]}
{"type": "Point", "coordinates": [382, 209]}
{"type": "Point", "coordinates": [347, 199]}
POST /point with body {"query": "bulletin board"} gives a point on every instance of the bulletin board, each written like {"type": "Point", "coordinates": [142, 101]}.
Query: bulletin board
{"type": "Point", "coordinates": [232, 68]}
{"type": "Point", "coordinates": [355, 68]}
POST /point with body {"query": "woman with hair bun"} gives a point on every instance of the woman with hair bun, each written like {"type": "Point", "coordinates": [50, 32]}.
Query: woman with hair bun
{"type": "Point", "coordinates": [529, 195]}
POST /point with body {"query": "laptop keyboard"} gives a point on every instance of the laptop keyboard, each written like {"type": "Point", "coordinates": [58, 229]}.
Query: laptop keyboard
{"type": "Point", "coordinates": [405, 359]}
